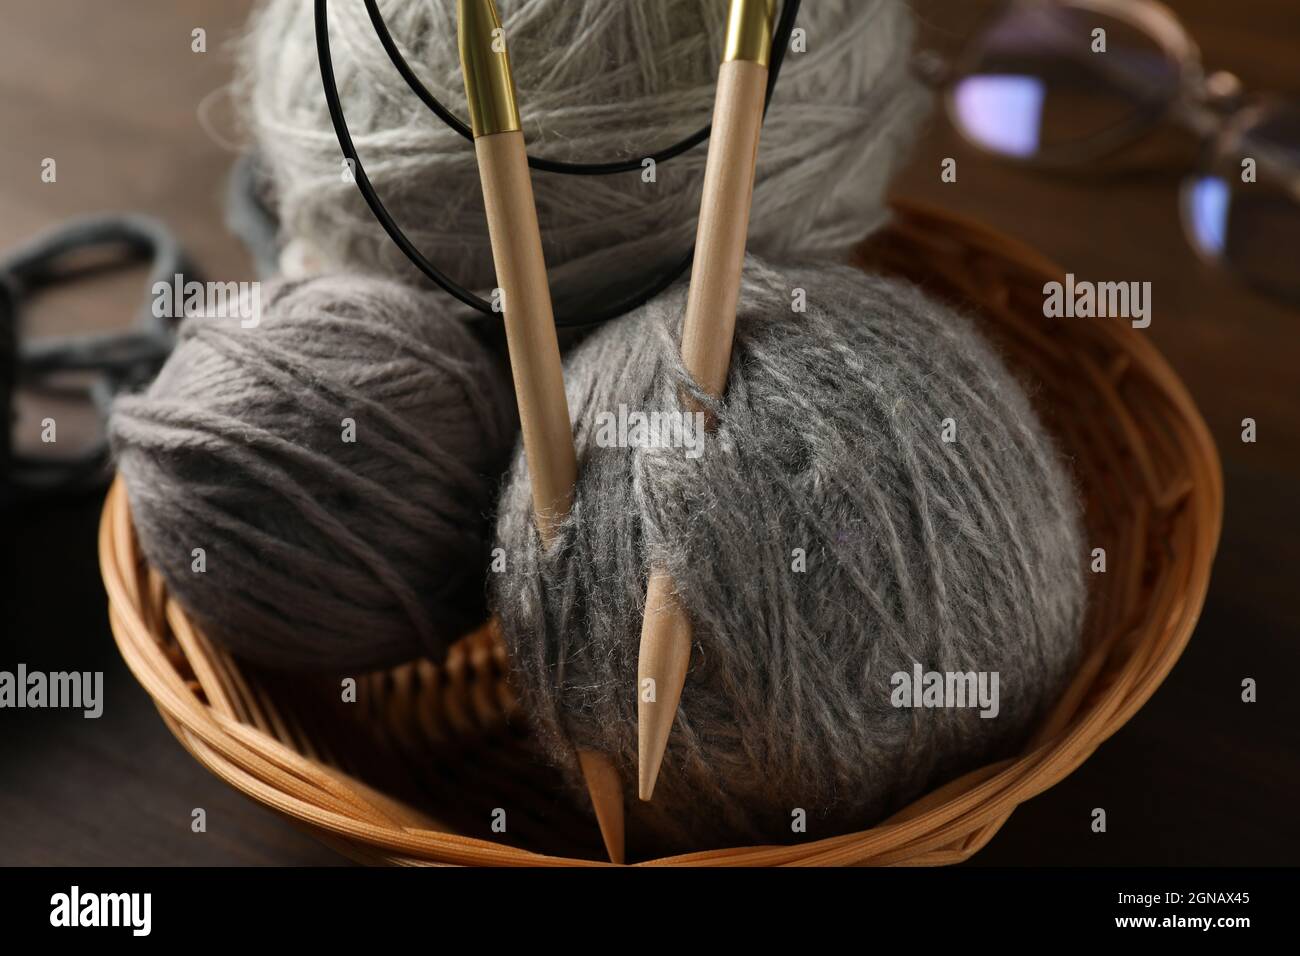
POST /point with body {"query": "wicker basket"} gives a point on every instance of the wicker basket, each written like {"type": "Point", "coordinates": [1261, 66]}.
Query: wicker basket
{"type": "Point", "coordinates": [410, 772]}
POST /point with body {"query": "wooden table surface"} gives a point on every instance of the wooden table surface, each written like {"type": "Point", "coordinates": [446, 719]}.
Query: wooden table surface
{"type": "Point", "coordinates": [112, 91]}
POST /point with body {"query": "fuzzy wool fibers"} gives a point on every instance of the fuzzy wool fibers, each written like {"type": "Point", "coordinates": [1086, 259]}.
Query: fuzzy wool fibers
{"type": "Point", "coordinates": [315, 489]}
{"type": "Point", "coordinates": [597, 80]}
{"type": "Point", "coordinates": [879, 504]}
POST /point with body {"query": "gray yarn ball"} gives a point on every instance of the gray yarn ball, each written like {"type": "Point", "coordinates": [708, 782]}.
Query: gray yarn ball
{"type": "Point", "coordinates": [321, 552]}
{"type": "Point", "coordinates": [597, 80]}
{"type": "Point", "coordinates": [961, 556]}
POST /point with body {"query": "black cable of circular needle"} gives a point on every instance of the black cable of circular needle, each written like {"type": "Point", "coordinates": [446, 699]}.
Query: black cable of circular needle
{"type": "Point", "coordinates": [643, 293]}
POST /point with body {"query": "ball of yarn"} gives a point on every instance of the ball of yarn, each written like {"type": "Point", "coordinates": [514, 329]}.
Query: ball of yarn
{"type": "Point", "coordinates": [597, 80]}
{"type": "Point", "coordinates": [824, 539]}
{"type": "Point", "coordinates": [335, 464]}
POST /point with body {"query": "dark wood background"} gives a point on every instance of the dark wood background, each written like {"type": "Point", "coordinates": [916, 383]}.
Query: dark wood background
{"type": "Point", "coordinates": [112, 91]}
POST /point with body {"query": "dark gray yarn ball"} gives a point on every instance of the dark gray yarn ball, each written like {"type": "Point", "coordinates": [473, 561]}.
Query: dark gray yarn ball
{"type": "Point", "coordinates": [963, 556]}
{"type": "Point", "coordinates": [322, 553]}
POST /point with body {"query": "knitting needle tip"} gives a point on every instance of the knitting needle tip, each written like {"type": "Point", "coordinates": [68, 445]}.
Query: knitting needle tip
{"type": "Point", "coordinates": [661, 673]}
{"type": "Point", "coordinates": [606, 792]}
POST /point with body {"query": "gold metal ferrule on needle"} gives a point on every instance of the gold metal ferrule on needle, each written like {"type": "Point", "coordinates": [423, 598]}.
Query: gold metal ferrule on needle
{"type": "Point", "coordinates": [489, 86]}
{"type": "Point", "coordinates": [749, 31]}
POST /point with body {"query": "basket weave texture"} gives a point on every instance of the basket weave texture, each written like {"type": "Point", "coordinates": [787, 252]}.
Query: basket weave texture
{"type": "Point", "coordinates": [411, 771]}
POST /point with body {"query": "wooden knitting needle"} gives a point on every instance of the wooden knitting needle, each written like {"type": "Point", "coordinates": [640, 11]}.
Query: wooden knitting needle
{"type": "Point", "coordinates": [707, 333]}
{"type": "Point", "coordinates": [530, 324]}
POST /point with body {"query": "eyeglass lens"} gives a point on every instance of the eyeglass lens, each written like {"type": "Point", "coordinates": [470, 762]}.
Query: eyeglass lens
{"type": "Point", "coordinates": [1242, 208]}
{"type": "Point", "coordinates": [1040, 83]}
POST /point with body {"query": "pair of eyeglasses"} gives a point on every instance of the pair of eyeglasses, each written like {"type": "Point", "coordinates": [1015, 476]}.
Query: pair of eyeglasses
{"type": "Point", "coordinates": [1066, 83]}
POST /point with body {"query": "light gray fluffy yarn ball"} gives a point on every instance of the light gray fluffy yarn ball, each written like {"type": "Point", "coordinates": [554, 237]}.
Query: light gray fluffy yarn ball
{"type": "Point", "coordinates": [322, 552]}
{"type": "Point", "coordinates": [962, 556]}
{"type": "Point", "coordinates": [597, 80]}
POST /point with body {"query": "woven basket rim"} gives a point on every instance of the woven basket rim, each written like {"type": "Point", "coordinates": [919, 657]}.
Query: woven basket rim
{"type": "Point", "coordinates": [945, 826]}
